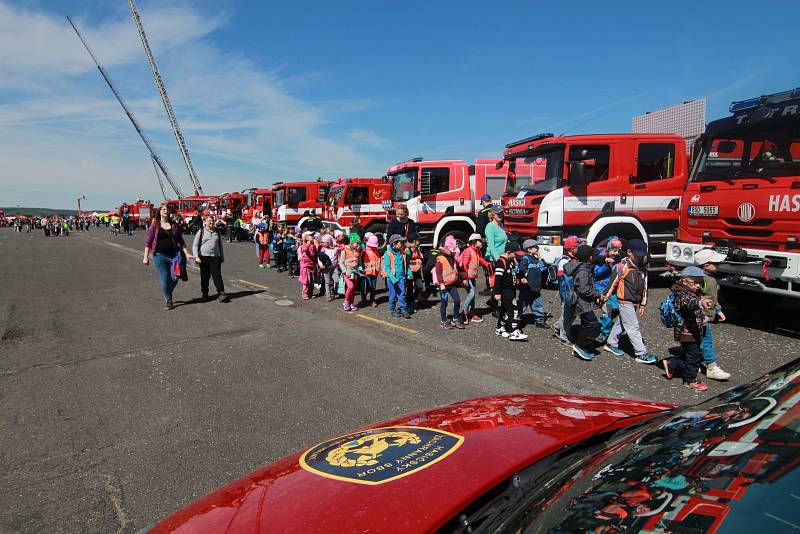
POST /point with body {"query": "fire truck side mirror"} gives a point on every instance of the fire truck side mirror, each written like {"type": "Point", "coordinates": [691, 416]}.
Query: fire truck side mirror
{"type": "Point", "coordinates": [577, 174]}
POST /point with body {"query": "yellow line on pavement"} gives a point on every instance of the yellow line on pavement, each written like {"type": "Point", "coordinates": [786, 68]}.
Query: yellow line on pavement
{"type": "Point", "coordinates": [385, 323]}
{"type": "Point", "coordinates": [253, 284]}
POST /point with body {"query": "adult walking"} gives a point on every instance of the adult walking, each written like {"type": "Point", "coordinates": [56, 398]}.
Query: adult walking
{"type": "Point", "coordinates": [209, 255]}
{"type": "Point", "coordinates": [165, 241]}
{"type": "Point", "coordinates": [401, 225]}
{"type": "Point", "coordinates": [496, 240]}
{"type": "Point", "coordinates": [483, 215]}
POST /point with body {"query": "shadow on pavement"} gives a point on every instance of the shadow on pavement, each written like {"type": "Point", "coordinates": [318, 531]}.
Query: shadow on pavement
{"type": "Point", "coordinates": [231, 296]}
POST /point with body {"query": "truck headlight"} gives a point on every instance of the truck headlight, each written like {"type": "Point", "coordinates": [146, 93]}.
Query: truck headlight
{"type": "Point", "coordinates": [676, 252]}
{"type": "Point", "coordinates": [688, 253]}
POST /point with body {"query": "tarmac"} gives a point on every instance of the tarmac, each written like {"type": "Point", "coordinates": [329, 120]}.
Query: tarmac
{"type": "Point", "coordinates": [116, 412]}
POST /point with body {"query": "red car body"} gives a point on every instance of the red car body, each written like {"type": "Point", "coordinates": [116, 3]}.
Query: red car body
{"type": "Point", "coordinates": [461, 451]}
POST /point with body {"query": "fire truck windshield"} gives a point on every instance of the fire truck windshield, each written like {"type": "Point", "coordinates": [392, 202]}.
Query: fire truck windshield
{"type": "Point", "coordinates": [335, 195]}
{"type": "Point", "coordinates": [547, 169]}
{"type": "Point", "coordinates": [280, 197]}
{"type": "Point", "coordinates": [767, 154]}
{"type": "Point", "coordinates": [404, 185]}
{"type": "Point", "coordinates": [190, 205]}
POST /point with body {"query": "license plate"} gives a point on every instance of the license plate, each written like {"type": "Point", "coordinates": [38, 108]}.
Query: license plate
{"type": "Point", "coordinates": [704, 211]}
{"type": "Point", "coordinates": [516, 202]}
{"type": "Point", "coordinates": [517, 211]}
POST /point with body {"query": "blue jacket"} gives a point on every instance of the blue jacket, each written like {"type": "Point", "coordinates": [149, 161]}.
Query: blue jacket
{"type": "Point", "coordinates": [401, 269]}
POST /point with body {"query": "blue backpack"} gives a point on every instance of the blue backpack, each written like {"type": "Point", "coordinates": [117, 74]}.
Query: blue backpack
{"type": "Point", "coordinates": [670, 317]}
{"type": "Point", "coordinates": [566, 289]}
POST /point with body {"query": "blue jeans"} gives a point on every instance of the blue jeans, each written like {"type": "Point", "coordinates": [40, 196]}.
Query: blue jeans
{"type": "Point", "coordinates": [397, 294]}
{"type": "Point", "coordinates": [469, 301]}
{"type": "Point", "coordinates": [164, 265]}
{"type": "Point", "coordinates": [563, 326]}
{"type": "Point", "coordinates": [444, 296]}
{"type": "Point", "coordinates": [707, 347]}
{"type": "Point", "coordinates": [369, 284]}
{"type": "Point", "coordinates": [529, 299]}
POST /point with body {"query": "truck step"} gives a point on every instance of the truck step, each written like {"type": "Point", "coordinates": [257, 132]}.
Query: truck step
{"type": "Point", "coordinates": [658, 256]}
{"type": "Point", "coordinates": [653, 237]}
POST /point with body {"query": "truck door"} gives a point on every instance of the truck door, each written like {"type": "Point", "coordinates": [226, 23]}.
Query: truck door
{"type": "Point", "coordinates": [584, 202]}
{"type": "Point", "coordinates": [659, 175]}
{"type": "Point", "coordinates": [434, 185]}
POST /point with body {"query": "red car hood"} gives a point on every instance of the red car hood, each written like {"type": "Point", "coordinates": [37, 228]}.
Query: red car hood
{"type": "Point", "coordinates": [409, 474]}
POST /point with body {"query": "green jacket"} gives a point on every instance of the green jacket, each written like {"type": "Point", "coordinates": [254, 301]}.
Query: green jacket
{"type": "Point", "coordinates": [496, 240]}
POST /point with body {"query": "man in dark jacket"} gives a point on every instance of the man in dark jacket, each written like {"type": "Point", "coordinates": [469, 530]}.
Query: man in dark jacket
{"type": "Point", "coordinates": [401, 224]}
{"type": "Point", "coordinates": [589, 300]}
{"type": "Point", "coordinates": [483, 215]}
{"type": "Point", "coordinates": [356, 228]}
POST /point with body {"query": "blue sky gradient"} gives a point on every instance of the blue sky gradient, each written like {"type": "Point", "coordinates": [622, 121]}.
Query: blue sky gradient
{"type": "Point", "coordinates": [271, 91]}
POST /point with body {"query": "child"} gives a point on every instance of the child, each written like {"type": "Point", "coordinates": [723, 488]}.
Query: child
{"type": "Point", "coordinates": [290, 247]}
{"type": "Point", "coordinates": [414, 284]}
{"type": "Point", "coordinates": [308, 265]}
{"type": "Point", "coordinates": [448, 275]}
{"type": "Point", "coordinates": [589, 299]}
{"type": "Point", "coordinates": [563, 327]}
{"type": "Point", "coordinates": [328, 257]}
{"type": "Point", "coordinates": [690, 332]}
{"type": "Point", "coordinates": [262, 241]}
{"type": "Point", "coordinates": [505, 290]}
{"type": "Point", "coordinates": [629, 285]}
{"type": "Point", "coordinates": [708, 260]}
{"type": "Point", "coordinates": [531, 269]}
{"type": "Point", "coordinates": [349, 267]}
{"type": "Point", "coordinates": [470, 260]}
{"type": "Point", "coordinates": [395, 269]}
{"type": "Point", "coordinates": [605, 268]}
{"type": "Point", "coordinates": [371, 260]}
{"type": "Point", "coordinates": [279, 248]}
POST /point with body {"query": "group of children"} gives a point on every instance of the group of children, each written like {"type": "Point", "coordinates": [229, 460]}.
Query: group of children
{"type": "Point", "coordinates": [604, 289]}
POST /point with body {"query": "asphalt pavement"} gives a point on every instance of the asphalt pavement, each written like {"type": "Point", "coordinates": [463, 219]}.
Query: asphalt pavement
{"type": "Point", "coordinates": [116, 412]}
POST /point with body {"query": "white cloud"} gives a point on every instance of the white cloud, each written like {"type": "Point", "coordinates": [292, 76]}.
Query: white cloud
{"type": "Point", "coordinates": [61, 130]}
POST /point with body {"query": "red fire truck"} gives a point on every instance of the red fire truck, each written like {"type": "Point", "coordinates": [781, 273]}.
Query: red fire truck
{"type": "Point", "coordinates": [743, 199]}
{"type": "Point", "coordinates": [235, 202]}
{"type": "Point", "coordinates": [595, 186]}
{"type": "Point", "coordinates": [443, 195]}
{"type": "Point", "coordinates": [294, 200]}
{"type": "Point", "coordinates": [139, 212]}
{"type": "Point", "coordinates": [365, 198]}
{"type": "Point", "coordinates": [259, 201]}
{"type": "Point", "coordinates": [190, 206]}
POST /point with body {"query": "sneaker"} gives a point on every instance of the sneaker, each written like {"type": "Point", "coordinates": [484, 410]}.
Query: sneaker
{"type": "Point", "coordinates": [648, 359]}
{"type": "Point", "coordinates": [168, 305]}
{"type": "Point", "coordinates": [465, 318]}
{"type": "Point", "coordinates": [565, 342]}
{"type": "Point", "coordinates": [260, 266]}
{"type": "Point", "coordinates": [614, 350]}
{"type": "Point", "coordinates": [457, 324]}
{"type": "Point", "coordinates": [516, 335]}
{"type": "Point", "coordinates": [715, 372]}
{"type": "Point", "coordinates": [501, 332]}
{"type": "Point", "coordinates": [395, 313]}
{"type": "Point", "coordinates": [541, 325]}
{"type": "Point", "coordinates": [582, 354]}
{"type": "Point", "coordinates": [267, 266]}
{"type": "Point", "coordinates": [345, 306]}
{"type": "Point", "coordinates": [667, 370]}
{"type": "Point", "coordinates": [446, 325]}
{"type": "Point", "coordinates": [476, 318]}
{"type": "Point", "coordinates": [222, 297]}
{"type": "Point", "coordinates": [353, 308]}
{"type": "Point", "coordinates": [406, 315]}
{"type": "Point", "coordinates": [696, 385]}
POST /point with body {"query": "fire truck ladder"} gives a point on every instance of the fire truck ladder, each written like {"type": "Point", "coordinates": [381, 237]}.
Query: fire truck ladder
{"type": "Point", "coordinates": [198, 190]}
{"type": "Point", "coordinates": [153, 154]}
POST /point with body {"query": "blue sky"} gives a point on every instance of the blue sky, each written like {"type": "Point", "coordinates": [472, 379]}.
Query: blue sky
{"type": "Point", "coordinates": [269, 91]}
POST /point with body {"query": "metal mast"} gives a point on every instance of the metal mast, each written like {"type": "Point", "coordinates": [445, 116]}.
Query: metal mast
{"type": "Point", "coordinates": [158, 176]}
{"type": "Point", "coordinates": [198, 190]}
{"type": "Point", "coordinates": [153, 154]}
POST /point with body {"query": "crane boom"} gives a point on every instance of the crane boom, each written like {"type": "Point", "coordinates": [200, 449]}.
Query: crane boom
{"type": "Point", "coordinates": [162, 90]}
{"type": "Point", "coordinates": [158, 176]}
{"type": "Point", "coordinates": [153, 154]}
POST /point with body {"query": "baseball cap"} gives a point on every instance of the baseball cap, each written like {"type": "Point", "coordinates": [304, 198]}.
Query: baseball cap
{"type": "Point", "coordinates": [571, 242]}
{"type": "Point", "coordinates": [395, 238]}
{"type": "Point", "coordinates": [708, 255]}
{"type": "Point", "coordinates": [512, 246]}
{"type": "Point", "coordinates": [528, 243]}
{"type": "Point", "coordinates": [474, 237]}
{"type": "Point", "coordinates": [485, 197]}
{"type": "Point", "coordinates": [638, 247]}
{"type": "Point", "coordinates": [693, 271]}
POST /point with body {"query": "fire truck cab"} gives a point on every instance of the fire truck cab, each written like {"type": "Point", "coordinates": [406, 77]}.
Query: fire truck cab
{"type": "Point", "coordinates": [596, 186]}
{"type": "Point", "coordinates": [190, 206]}
{"type": "Point", "coordinates": [294, 200]}
{"type": "Point", "coordinates": [139, 212]}
{"type": "Point", "coordinates": [743, 199]}
{"type": "Point", "coordinates": [365, 198]}
{"type": "Point", "coordinates": [235, 202]}
{"type": "Point", "coordinates": [443, 196]}
{"type": "Point", "coordinates": [258, 202]}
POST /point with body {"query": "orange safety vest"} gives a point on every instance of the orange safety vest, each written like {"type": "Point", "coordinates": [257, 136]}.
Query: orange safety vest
{"type": "Point", "coordinates": [415, 263]}
{"type": "Point", "coordinates": [372, 262]}
{"type": "Point", "coordinates": [472, 266]}
{"type": "Point", "coordinates": [391, 261]}
{"type": "Point", "coordinates": [449, 272]}
{"type": "Point", "coordinates": [350, 259]}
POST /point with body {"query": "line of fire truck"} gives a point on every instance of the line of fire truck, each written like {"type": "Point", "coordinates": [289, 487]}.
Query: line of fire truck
{"type": "Point", "coordinates": [739, 191]}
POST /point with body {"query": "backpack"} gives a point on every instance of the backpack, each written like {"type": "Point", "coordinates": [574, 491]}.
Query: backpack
{"type": "Point", "coordinates": [670, 317]}
{"type": "Point", "coordinates": [566, 288]}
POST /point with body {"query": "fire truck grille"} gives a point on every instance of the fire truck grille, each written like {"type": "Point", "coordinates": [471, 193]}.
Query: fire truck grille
{"type": "Point", "coordinates": [749, 232]}
{"type": "Point", "coordinates": [754, 222]}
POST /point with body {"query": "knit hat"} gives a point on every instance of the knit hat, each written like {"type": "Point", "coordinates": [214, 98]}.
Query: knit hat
{"type": "Point", "coordinates": [571, 242]}
{"type": "Point", "coordinates": [372, 241]}
{"type": "Point", "coordinates": [474, 237]}
{"type": "Point", "coordinates": [528, 243]}
{"type": "Point", "coordinates": [450, 242]}
{"type": "Point", "coordinates": [337, 233]}
{"type": "Point", "coordinates": [613, 242]}
{"type": "Point", "coordinates": [692, 271]}
{"type": "Point", "coordinates": [585, 253]}
{"type": "Point", "coordinates": [327, 239]}
{"type": "Point", "coordinates": [317, 235]}
{"type": "Point", "coordinates": [354, 238]}
{"type": "Point", "coordinates": [395, 238]}
{"type": "Point", "coordinates": [638, 247]}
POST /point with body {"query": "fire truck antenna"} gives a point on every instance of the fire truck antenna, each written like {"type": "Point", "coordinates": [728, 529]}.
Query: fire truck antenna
{"type": "Point", "coordinates": [153, 154]}
{"type": "Point", "coordinates": [162, 91]}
